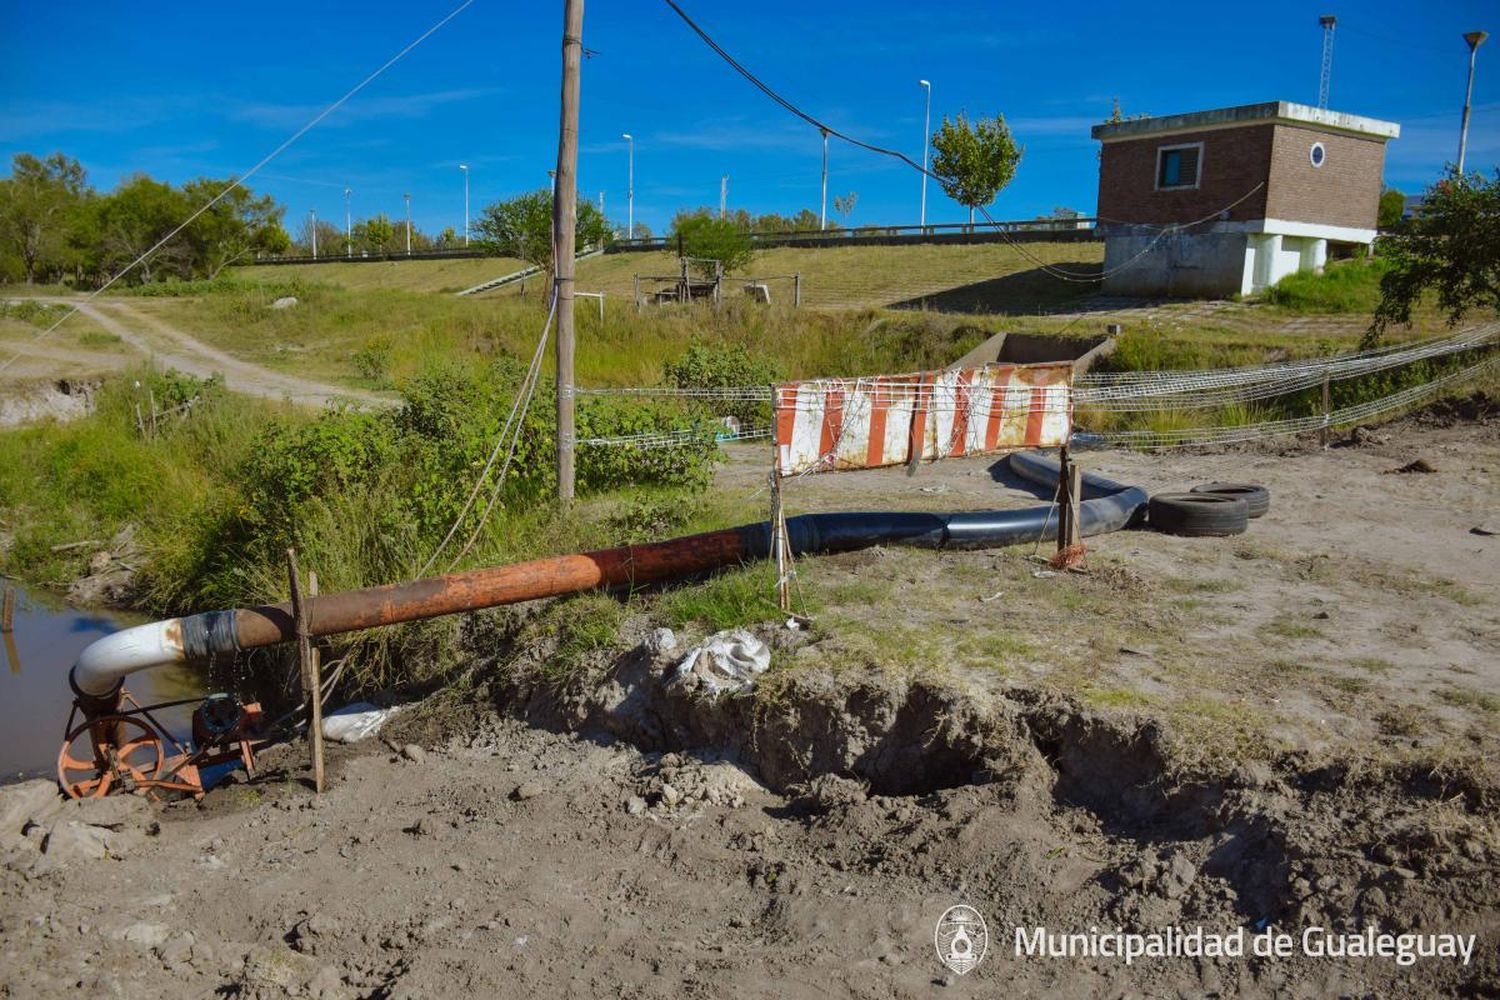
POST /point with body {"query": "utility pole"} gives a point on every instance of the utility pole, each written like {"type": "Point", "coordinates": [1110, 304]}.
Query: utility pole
{"type": "Point", "coordinates": [564, 207]}
{"type": "Point", "coordinates": [1475, 39]}
{"type": "Point", "coordinates": [348, 225]}
{"type": "Point", "coordinates": [408, 223]}
{"type": "Point", "coordinates": [823, 212]}
{"type": "Point", "coordinates": [314, 213]}
{"type": "Point", "coordinates": [723, 194]}
{"type": "Point", "coordinates": [602, 215]}
{"type": "Point", "coordinates": [1325, 77]}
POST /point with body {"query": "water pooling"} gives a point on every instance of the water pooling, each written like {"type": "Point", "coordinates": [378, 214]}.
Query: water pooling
{"type": "Point", "coordinates": [34, 694]}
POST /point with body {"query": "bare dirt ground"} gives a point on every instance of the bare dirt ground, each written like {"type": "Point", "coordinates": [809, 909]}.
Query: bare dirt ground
{"type": "Point", "coordinates": [151, 337]}
{"type": "Point", "coordinates": [1295, 728]}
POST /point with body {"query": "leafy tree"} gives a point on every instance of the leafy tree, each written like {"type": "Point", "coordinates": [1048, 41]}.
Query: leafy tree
{"type": "Point", "coordinates": [1451, 247]}
{"type": "Point", "coordinates": [134, 218]}
{"type": "Point", "coordinates": [974, 161]}
{"type": "Point", "coordinates": [1392, 207]}
{"type": "Point", "coordinates": [379, 232]}
{"type": "Point", "coordinates": [238, 225]}
{"type": "Point", "coordinates": [522, 227]}
{"type": "Point", "coordinates": [38, 205]}
{"type": "Point", "coordinates": [703, 234]}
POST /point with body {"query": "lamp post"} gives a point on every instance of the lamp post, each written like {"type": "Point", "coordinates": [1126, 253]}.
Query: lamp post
{"type": "Point", "coordinates": [465, 168]}
{"type": "Point", "coordinates": [348, 225]}
{"type": "Point", "coordinates": [630, 188]}
{"type": "Point", "coordinates": [314, 213]}
{"type": "Point", "coordinates": [823, 211]}
{"type": "Point", "coordinates": [407, 196]}
{"type": "Point", "coordinates": [1475, 39]}
{"type": "Point", "coordinates": [926, 142]}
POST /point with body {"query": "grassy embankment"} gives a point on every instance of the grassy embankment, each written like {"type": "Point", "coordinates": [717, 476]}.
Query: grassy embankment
{"type": "Point", "coordinates": [220, 494]}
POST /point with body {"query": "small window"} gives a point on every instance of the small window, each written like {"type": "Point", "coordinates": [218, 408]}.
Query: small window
{"type": "Point", "coordinates": [1317, 154]}
{"type": "Point", "coordinates": [1177, 166]}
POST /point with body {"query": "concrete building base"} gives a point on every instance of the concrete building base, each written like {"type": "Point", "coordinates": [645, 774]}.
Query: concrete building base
{"type": "Point", "coordinates": [1222, 260]}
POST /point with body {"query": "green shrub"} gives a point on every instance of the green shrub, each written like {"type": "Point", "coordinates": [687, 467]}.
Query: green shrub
{"type": "Point", "coordinates": [706, 366]}
{"type": "Point", "coordinates": [1350, 287]}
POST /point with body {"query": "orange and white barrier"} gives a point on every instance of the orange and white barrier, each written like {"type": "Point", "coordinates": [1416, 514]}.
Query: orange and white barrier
{"type": "Point", "coordinates": [832, 424]}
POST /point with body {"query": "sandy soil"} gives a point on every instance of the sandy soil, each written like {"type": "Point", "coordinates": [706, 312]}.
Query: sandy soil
{"type": "Point", "coordinates": [617, 835]}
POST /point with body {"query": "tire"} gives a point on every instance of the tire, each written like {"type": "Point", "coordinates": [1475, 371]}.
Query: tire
{"type": "Point", "coordinates": [1199, 515]}
{"type": "Point", "coordinates": [1256, 497]}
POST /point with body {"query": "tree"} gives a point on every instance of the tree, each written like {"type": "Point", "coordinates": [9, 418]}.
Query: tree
{"type": "Point", "coordinates": [974, 161]}
{"type": "Point", "coordinates": [1392, 208]}
{"type": "Point", "coordinates": [38, 205]}
{"type": "Point", "coordinates": [238, 225]}
{"type": "Point", "coordinates": [379, 232]}
{"type": "Point", "coordinates": [522, 227]}
{"type": "Point", "coordinates": [1452, 247]}
{"type": "Point", "coordinates": [844, 205]}
{"type": "Point", "coordinates": [702, 234]}
{"type": "Point", "coordinates": [134, 218]}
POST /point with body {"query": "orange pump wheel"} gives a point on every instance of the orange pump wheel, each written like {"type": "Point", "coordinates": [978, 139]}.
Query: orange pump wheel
{"type": "Point", "coordinates": [112, 752]}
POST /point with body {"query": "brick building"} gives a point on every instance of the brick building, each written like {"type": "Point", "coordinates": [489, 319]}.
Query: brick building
{"type": "Point", "coordinates": [1259, 192]}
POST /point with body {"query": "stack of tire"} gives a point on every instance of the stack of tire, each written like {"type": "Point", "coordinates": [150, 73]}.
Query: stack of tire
{"type": "Point", "coordinates": [1209, 510]}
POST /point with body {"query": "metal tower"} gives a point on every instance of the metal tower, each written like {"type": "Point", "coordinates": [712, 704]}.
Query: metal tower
{"type": "Point", "coordinates": [1326, 77]}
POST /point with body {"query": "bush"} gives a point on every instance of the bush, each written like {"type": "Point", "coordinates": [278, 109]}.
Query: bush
{"type": "Point", "coordinates": [708, 367]}
{"type": "Point", "coordinates": [705, 236]}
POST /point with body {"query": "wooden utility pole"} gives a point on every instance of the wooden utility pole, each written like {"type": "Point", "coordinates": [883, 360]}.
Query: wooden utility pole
{"type": "Point", "coordinates": [564, 208]}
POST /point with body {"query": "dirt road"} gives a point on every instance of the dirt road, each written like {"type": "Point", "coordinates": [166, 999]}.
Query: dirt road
{"type": "Point", "coordinates": [178, 349]}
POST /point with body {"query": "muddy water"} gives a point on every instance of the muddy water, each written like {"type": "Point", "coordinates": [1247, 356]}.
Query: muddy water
{"type": "Point", "coordinates": [34, 694]}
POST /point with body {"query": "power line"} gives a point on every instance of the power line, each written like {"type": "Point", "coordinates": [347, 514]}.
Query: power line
{"type": "Point", "coordinates": [240, 181]}
{"type": "Point", "coordinates": [827, 130]}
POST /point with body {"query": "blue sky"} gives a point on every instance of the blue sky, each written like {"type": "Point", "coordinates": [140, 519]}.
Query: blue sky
{"type": "Point", "coordinates": [193, 89]}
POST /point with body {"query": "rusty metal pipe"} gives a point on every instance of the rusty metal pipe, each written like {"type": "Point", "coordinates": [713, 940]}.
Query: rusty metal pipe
{"type": "Point", "coordinates": [102, 666]}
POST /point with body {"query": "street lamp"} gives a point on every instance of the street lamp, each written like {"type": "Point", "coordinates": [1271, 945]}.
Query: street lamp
{"type": "Point", "coordinates": [823, 212]}
{"type": "Point", "coordinates": [1475, 39]}
{"type": "Point", "coordinates": [630, 188]}
{"type": "Point", "coordinates": [407, 196]}
{"type": "Point", "coordinates": [314, 213]}
{"type": "Point", "coordinates": [465, 168]}
{"type": "Point", "coordinates": [926, 141]}
{"type": "Point", "coordinates": [348, 225]}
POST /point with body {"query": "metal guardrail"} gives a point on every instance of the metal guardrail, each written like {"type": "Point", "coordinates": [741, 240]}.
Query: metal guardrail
{"type": "Point", "coordinates": [955, 232]}
{"type": "Point", "coordinates": [1073, 229]}
{"type": "Point", "coordinates": [459, 253]}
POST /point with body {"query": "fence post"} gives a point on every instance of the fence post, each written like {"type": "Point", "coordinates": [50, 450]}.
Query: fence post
{"type": "Point", "coordinates": [797, 290]}
{"type": "Point", "coordinates": [1327, 411]}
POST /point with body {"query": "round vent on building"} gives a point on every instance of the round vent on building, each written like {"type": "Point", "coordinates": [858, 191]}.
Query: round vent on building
{"type": "Point", "coordinates": [1317, 154]}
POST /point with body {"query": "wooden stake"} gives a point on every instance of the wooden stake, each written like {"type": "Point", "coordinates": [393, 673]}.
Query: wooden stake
{"type": "Point", "coordinates": [779, 546]}
{"type": "Point", "coordinates": [316, 662]}
{"type": "Point", "coordinates": [1064, 500]}
{"type": "Point", "coordinates": [8, 611]}
{"type": "Point", "coordinates": [1323, 431]}
{"type": "Point", "coordinates": [303, 632]}
{"type": "Point", "coordinates": [1075, 493]}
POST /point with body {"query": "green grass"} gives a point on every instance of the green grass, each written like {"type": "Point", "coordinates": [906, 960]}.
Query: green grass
{"type": "Point", "coordinates": [953, 277]}
{"type": "Point", "coordinates": [404, 275]}
{"type": "Point", "coordinates": [1346, 287]}
{"type": "Point", "coordinates": [333, 332]}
